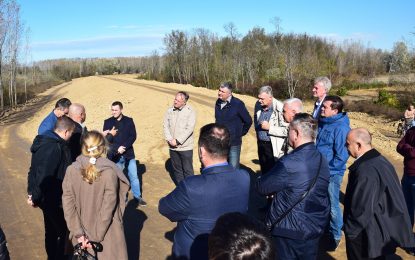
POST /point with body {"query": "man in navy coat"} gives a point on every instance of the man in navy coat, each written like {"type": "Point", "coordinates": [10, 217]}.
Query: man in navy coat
{"type": "Point", "coordinates": [198, 201]}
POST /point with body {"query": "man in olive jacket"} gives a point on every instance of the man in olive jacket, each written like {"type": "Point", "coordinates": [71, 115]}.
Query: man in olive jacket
{"type": "Point", "coordinates": [376, 220]}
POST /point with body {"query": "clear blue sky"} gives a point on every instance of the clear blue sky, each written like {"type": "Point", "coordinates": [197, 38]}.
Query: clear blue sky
{"type": "Point", "coordinates": [90, 28]}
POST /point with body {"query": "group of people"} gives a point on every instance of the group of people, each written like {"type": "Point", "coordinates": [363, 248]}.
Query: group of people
{"type": "Point", "coordinates": [80, 186]}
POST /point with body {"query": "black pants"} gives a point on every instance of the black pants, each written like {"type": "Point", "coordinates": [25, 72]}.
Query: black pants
{"type": "Point", "coordinates": [265, 156]}
{"type": "Point", "coordinates": [356, 249]}
{"type": "Point", "coordinates": [287, 248]}
{"type": "Point", "coordinates": [182, 163]}
{"type": "Point", "coordinates": [55, 232]}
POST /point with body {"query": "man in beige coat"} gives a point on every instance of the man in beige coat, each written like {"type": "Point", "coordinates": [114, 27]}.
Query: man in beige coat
{"type": "Point", "coordinates": [179, 124]}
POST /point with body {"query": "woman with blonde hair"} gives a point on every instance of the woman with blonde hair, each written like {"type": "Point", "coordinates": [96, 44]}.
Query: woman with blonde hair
{"type": "Point", "coordinates": [94, 192]}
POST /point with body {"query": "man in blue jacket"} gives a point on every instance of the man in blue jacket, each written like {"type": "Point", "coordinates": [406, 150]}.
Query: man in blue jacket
{"type": "Point", "coordinates": [199, 200]}
{"type": "Point", "coordinates": [232, 113]}
{"type": "Point", "coordinates": [333, 127]}
{"type": "Point", "coordinates": [300, 209]}
{"type": "Point", "coordinates": [61, 109]}
{"type": "Point", "coordinates": [121, 134]}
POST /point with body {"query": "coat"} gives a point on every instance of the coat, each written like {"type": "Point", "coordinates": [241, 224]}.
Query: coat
{"type": "Point", "coordinates": [235, 118]}
{"type": "Point", "coordinates": [96, 209]}
{"type": "Point", "coordinates": [278, 128]}
{"type": "Point", "coordinates": [125, 136]}
{"type": "Point", "coordinates": [331, 141]}
{"type": "Point", "coordinates": [198, 201]}
{"type": "Point", "coordinates": [406, 147]}
{"type": "Point", "coordinates": [179, 125]}
{"type": "Point", "coordinates": [374, 203]}
{"type": "Point", "coordinates": [75, 142]}
{"type": "Point", "coordinates": [290, 178]}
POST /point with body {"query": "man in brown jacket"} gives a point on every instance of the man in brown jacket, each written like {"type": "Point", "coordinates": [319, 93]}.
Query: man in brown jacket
{"type": "Point", "coordinates": [179, 124]}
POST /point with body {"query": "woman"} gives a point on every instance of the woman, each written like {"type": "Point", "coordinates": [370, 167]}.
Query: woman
{"type": "Point", "coordinates": [94, 192]}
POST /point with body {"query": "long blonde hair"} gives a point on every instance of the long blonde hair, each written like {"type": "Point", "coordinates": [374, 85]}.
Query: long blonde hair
{"type": "Point", "coordinates": [93, 146]}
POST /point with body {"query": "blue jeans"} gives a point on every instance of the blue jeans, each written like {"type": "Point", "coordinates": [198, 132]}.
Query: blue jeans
{"type": "Point", "coordinates": [234, 155]}
{"type": "Point", "coordinates": [132, 174]}
{"type": "Point", "coordinates": [408, 189]}
{"type": "Point", "coordinates": [336, 216]}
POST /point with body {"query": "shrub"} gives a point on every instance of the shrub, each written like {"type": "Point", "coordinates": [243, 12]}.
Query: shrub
{"type": "Point", "coordinates": [387, 98]}
{"type": "Point", "coordinates": [342, 91]}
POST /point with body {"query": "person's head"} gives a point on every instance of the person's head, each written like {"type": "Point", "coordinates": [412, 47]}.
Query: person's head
{"type": "Point", "coordinates": [62, 107]}
{"type": "Point", "coordinates": [181, 99]}
{"type": "Point", "coordinates": [237, 236]}
{"type": "Point", "coordinates": [411, 107]}
{"type": "Point", "coordinates": [93, 146]}
{"type": "Point", "coordinates": [303, 129]}
{"type": "Point", "coordinates": [225, 91]}
{"type": "Point", "coordinates": [332, 105]}
{"type": "Point", "coordinates": [321, 87]}
{"type": "Point", "coordinates": [214, 144]}
{"type": "Point", "coordinates": [265, 96]}
{"type": "Point", "coordinates": [291, 107]}
{"type": "Point", "coordinates": [116, 109]}
{"type": "Point", "coordinates": [358, 142]}
{"type": "Point", "coordinates": [77, 113]}
{"type": "Point", "coordinates": [64, 127]}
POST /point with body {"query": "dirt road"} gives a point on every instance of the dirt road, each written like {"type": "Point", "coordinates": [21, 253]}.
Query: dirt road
{"type": "Point", "coordinates": [149, 234]}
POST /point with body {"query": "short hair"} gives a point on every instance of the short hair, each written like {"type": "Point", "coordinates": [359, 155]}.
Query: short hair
{"type": "Point", "coordinates": [336, 103]}
{"type": "Point", "coordinates": [117, 103]}
{"type": "Point", "coordinates": [237, 236]}
{"type": "Point", "coordinates": [215, 139]}
{"type": "Point", "coordinates": [63, 103]}
{"type": "Point", "coordinates": [265, 89]}
{"type": "Point", "coordinates": [325, 81]}
{"type": "Point", "coordinates": [306, 124]}
{"type": "Point", "coordinates": [184, 95]}
{"type": "Point", "coordinates": [227, 85]}
{"type": "Point", "coordinates": [64, 123]}
{"type": "Point", "coordinates": [363, 135]}
{"type": "Point", "coordinates": [295, 103]}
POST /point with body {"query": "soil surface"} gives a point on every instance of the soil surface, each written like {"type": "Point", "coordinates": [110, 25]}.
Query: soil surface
{"type": "Point", "coordinates": [148, 233]}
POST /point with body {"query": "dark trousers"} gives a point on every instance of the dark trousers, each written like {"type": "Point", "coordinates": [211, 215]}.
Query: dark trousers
{"type": "Point", "coordinates": [55, 232]}
{"type": "Point", "coordinates": [265, 156]}
{"type": "Point", "coordinates": [287, 248]}
{"type": "Point", "coordinates": [356, 248]}
{"type": "Point", "coordinates": [182, 163]}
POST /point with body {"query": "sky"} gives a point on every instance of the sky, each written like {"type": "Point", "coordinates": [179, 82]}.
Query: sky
{"type": "Point", "coordinates": [125, 28]}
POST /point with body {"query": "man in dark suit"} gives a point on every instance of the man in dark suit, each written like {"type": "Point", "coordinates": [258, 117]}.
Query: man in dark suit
{"type": "Point", "coordinates": [199, 200]}
{"type": "Point", "coordinates": [121, 134]}
{"type": "Point", "coordinates": [78, 115]}
{"type": "Point", "coordinates": [321, 88]}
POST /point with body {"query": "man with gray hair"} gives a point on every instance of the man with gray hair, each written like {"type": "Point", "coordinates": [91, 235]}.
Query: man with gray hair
{"type": "Point", "coordinates": [268, 120]}
{"type": "Point", "coordinates": [78, 115]}
{"type": "Point", "coordinates": [300, 208]}
{"type": "Point", "coordinates": [320, 89]}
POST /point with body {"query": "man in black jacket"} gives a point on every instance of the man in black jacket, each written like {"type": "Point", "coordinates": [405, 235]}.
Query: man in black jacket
{"type": "Point", "coordinates": [376, 220]}
{"type": "Point", "coordinates": [78, 115]}
{"type": "Point", "coordinates": [50, 158]}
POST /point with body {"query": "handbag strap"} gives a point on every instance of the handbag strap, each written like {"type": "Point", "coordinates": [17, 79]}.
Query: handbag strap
{"type": "Point", "coordinates": [301, 199]}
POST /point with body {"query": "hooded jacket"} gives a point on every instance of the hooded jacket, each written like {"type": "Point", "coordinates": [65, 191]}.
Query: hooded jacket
{"type": "Point", "coordinates": [331, 141]}
{"type": "Point", "coordinates": [50, 158]}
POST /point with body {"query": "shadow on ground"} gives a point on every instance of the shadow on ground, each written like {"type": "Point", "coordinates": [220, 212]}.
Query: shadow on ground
{"type": "Point", "coordinates": [133, 224]}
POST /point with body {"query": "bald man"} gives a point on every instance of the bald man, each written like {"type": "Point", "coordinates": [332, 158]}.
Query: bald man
{"type": "Point", "coordinates": [376, 220]}
{"type": "Point", "coordinates": [77, 114]}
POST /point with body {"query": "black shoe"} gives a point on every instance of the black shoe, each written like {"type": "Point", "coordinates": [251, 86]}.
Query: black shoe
{"type": "Point", "coordinates": [140, 202]}
{"type": "Point", "coordinates": [333, 245]}
{"type": "Point", "coordinates": [410, 251]}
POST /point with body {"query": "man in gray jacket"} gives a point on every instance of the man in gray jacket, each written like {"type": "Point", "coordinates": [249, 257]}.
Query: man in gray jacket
{"type": "Point", "coordinates": [179, 124]}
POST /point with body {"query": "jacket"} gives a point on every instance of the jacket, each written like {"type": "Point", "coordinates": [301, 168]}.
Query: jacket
{"type": "Point", "coordinates": [75, 142]}
{"type": "Point", "coordinates": [50, 158]}
{"type": "Point", "coordinates": [4, 253]}
{"type": "Point", "coordinates": [48, 123]}
{"type": "Point", "coordinates": [198, 201]}
{"type": "Point", "coordinates": [278, 128]}
{"type": "Point", "coordinates": [179, 125]}
{"type": "Point", "coordinates": [290, 178]}
{"type": "Point", "coordinates": [235, 117]}
{"type": "Point", "coordinates": [374, 203]}
{"type": "Point", "coordinates": [97, 209]}
{"type": "Point", "coordinates": [331, 141]}
{"type": "Point", "coordinates": [406, 147]}
{"type": "Point", "coordinates": [125, 136]}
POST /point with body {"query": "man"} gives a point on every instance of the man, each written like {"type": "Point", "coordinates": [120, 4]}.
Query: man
{"type": "Point", "coordinates": [78, 115]}
{"type": "Point", "coordinates": [268, 118]}
{"type": "Point", "coordinates": [50, 158]}
{"type": "Point", "coordinates": [375, 216]}
{"type": "Point", "coordinates": [321, 88]}
{"type": "Point", "coordinates": [300, 208]}
{"type": "Point", "coordinates": [121, 134]}
{"type": "Point", "coordinates": [179, 124]}
{"type": "Point", "coordinates": [333, 126]}
{"type": "Point", "coordinates": [61, 108]}
{"type": "Point", "coordinates": [199, 200]}
{"type": "Point", "coordinates": [232, 113]}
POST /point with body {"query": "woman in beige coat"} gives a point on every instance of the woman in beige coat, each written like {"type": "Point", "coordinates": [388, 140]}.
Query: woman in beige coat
{"type": "Point", "coordinates": [94, 194]}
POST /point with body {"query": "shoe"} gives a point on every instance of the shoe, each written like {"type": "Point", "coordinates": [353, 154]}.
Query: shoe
{"type": "Point", "coordinates": [333, 245]}
{"type": "Point", "coordinates": [410, 251]}
{"type": "Point", "coordinates": [141, 202]}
